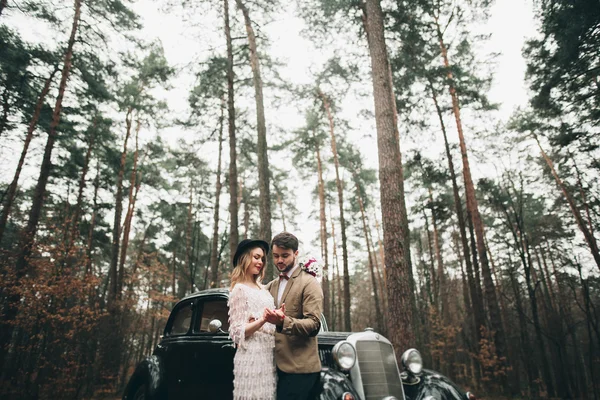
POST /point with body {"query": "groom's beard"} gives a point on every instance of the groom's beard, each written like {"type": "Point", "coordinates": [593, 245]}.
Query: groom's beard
{"type": "Point", "coordinates": [288, 267]}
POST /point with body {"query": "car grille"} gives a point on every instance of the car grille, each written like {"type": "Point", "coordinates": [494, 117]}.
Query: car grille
{"type": "Point", "coordinates": [326, 357]}
{"type": "Point", "coordinates": [378, 370]}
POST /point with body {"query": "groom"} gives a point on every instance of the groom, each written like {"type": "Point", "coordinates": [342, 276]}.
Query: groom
{"type": "Point", "coordinates": [299, 299]}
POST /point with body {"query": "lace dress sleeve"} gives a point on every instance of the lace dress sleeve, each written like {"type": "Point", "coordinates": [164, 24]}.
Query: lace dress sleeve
{"type": "Point", "coordinates": [239, 313]}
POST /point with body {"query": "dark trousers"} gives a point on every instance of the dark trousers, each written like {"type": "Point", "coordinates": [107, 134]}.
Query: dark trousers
{"type": "Point", "coordinates": [297, 386]}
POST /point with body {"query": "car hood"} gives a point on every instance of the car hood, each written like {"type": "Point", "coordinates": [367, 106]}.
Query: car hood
{"type": "Point", "coordinates": [331, 338]}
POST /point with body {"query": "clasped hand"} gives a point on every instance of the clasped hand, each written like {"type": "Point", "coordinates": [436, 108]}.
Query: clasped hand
{"type": "Point", "coordinates": [275, 317]}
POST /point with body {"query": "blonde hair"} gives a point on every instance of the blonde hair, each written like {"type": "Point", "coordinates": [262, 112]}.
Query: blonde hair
{"type": "Point", "coordinates": [239, 271]}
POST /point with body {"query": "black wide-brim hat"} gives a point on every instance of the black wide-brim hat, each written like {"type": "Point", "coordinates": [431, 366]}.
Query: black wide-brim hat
{"type": "Point", "coordinates": [249, 244]}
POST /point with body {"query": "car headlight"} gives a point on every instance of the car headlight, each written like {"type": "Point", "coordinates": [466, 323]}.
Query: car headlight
{"type": "Point", "coordinates": [344, 355]}
{"type": "Point", "coordinates": [412, 361]}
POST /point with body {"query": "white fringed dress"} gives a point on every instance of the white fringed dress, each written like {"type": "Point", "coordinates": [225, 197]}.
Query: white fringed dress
{"type": "Point", "coordinates": [254, 374]}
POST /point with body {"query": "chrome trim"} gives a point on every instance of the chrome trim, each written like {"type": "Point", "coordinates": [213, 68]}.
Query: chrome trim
{"type": "Point", "coordinates": [355, 373]}
{"type": "Point", "coordinates": [404, 361]}
{"type": "Point", "coordinates": [334, 353]}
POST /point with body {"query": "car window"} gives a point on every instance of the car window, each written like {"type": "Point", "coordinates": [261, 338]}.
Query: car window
{"type": "Point", "coordinates": [213, 309]}
{"type": "Point", "coordinates": [182, 320]}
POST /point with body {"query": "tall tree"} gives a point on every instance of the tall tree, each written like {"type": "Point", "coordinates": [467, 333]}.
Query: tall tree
{"type": "Point", "coordinates": [395, 235]}
{"type": "Point", "coordinates": [12, 189]}
{"type": "Point", "coordinates": [529, 124]}
{"type": "Point", "coordinates": [27, 237]}
{"type": "Point", "coordinates": [352, 160]}
{"type": "Point", "coordinates": [214, 256]}
{"type": "Point", "coordinates": [233, 175]}
{"type": "Point", "coordinates": [512, 207]}
{"type": "Point", "coordinates": [307, 147]}
{"type": "Point", "coordinates": [263, 160]}
{"type": "Point", "coordinates": [340, 191]}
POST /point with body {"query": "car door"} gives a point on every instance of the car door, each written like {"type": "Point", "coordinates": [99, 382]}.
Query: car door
{"type": "Point", "coordinates": [178, 345]}
{"type": "Point", "coordinates": [214, 351]}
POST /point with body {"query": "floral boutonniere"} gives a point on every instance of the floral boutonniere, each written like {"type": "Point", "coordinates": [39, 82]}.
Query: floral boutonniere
{"type": "Point", "coordinates": [312, 266]}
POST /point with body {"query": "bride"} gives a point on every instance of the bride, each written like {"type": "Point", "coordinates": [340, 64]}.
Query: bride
{"type": "Point", "coordinates": [253, 366]}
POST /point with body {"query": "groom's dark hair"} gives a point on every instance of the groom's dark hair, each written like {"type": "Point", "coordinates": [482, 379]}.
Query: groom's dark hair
{"type": "Point", "coordinates": [285, 240]}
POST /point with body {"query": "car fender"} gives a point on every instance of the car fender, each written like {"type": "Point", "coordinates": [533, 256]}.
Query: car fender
{"type": "Point", "coordinates": [149, 372]}
{"type": "Point", "coordinates": [433, 385]}
{"type": "Point", "coordinates": [334, 384]}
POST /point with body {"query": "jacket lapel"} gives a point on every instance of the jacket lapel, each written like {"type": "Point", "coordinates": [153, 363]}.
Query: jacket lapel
{"type": "Point", "coordinates": [274, 290]}
{"type": "Point", "coordinates": [289, 285]}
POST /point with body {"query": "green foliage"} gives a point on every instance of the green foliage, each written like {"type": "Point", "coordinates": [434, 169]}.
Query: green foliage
{"type": "Point", "coordinates": [20, 85]}
{"type": "Point", "coordinates": [562, 63]}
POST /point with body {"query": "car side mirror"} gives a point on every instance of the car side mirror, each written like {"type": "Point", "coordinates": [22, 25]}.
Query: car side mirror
{"type": "Point", "coordinates": [214, 326]}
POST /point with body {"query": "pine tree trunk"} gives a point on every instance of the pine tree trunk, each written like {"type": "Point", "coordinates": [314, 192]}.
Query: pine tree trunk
{"type": "Point", "coordinates": [233, 178]}
{"type": "Point", "coordinates": [337, 305]}
{"type": "Point", "coordinates": [548, 380]}
{"type": "Point", "coordinates": [512, 374]}
{"type": "Point", "coordinates": [498, 282]}
{"type": "Point", "coordinates": [393, 209]}
{"type": "Point", "coordinates": [589, 237]}
{"type": "Point", "coordinates": [432, 275]}
{"type": "Point", "coordinates": [280, 204]}
{"type": "Point", "coordinates": [340, 190]}
{"type": "Point", "coordinates": [244, 195]}
{"type": "Point", "coordinates": [577, 375]}
{"type": "Point", "coordinates": [463, 276]}
{"type": "Point", "coordinates": [73, 232]}
{"type": "Point", "coordinates": [82, 184]}
{"type": "Point", "coordinates": [12, 189]}
{"type": "Point", "coordinates": [588, 313]}
{"type": "Point", "coordinates": [540, 254]}
{"type": "Point", "coordinates": [380, 281]}
{"type": "Point", "coordinates": [2, 5]}
{"type": "Point", "coordinates": [214, 257]}
{"type": "Point", "coordinates": [40, 190]}
{"type": "Point", "coordinates": [116, 234]}
{"type": "Point", "coordinates": [28, 237]}
{"type": "Point", "coordinates": [323, 220]}
{"type": "Point", "coordinates": [547, 300]}
{"type": "Point", "coordinates": [524, 335]}
{"type": "Point", "coordinates": [583, 196]}
{"type": "Point", "coordinates": [557, 338]}
{"type": "Point", "coordinates": [138, 259]}
{"type": "Point", "coordinates": [476, 300]}
{"type": "Point", "coordinates": [522, 247]}
{"type": "Point", "coordinates": [5, 110]}
{"type": "Point", "coordinates": [490, 290]}
{"type": "Point", "coordinates": [188, 238]}
{"type": "Point", "coordinates": [174, 276]}
{"type": "Point", "coordinates": [134, 187]}
{"type": "Point", "coordinates": [473, 247]}
{"type": "Point", "coordinates": [89, 265]}
{"type": "Point", "coordinates": [382, 257]}
{"type": "Point", "coordinates": [378, 313]}
{"type": "Point", "coordinates": [441, 281]}
{"type": "Point", "coordinates": [263, 160]}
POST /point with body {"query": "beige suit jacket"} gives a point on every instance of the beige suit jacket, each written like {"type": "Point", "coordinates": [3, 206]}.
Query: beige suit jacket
{"type": "Point", "coordinates": [296, 350]}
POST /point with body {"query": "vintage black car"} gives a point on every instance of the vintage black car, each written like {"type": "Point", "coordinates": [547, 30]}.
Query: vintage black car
{"type": "Point", "coordinates": [194, 360]}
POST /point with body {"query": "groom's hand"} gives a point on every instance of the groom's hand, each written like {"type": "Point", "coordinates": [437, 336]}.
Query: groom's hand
{"type": "Point", "coordinates": [275, 317]}
{"type": "Point", "coordinates": [281, 312]}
